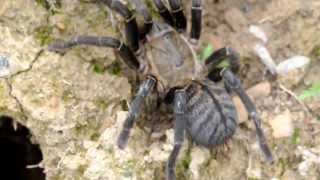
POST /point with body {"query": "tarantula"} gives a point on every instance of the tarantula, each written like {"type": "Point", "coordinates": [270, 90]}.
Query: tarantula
{"type": "Point", "coordinates": [165, 57]}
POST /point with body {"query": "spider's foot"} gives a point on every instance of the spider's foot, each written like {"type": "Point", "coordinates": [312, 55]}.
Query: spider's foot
{"type": "Point", "coordinates": [170, 174]}
{"type": "Point", "coordinates": [267, 153]}
{"type": "Point", "coordinates": [123, 139]}
{"type": "Point", "coordinates": [57, 46]}
{"type": "Point", "coordinates": [270, 159]}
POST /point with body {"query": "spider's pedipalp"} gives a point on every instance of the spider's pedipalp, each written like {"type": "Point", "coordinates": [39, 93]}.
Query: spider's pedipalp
{"type": "Point", "coordinates": [131, 26]}
{"type": "Point", "coordinates": [218, 56]}
{"type": "Point", "coordinates": [180, 20]}
{"type": "Point", "coordinates": [196, 20]}
{"type": "Point", "coordinates": [134, 110]}
{"type": "Point", "coordinates": [180, 108]}
{"type": "Point", "coordinates": [126, 54]}
{"type": "Point", "coordinates": [164, 12]}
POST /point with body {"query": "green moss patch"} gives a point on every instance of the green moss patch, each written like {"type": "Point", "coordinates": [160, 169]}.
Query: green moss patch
{"type": "Point", "coordinates": [43, 35]}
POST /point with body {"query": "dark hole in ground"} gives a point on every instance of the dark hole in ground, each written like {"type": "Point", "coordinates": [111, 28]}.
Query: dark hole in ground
{"type": "Point", "coordinates": [17, 152]}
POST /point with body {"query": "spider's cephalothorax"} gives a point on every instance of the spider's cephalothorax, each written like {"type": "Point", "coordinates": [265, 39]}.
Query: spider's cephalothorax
{"type": "Point", "coordinates": [163, 55]}
{"type": "Point", "coordinates": [168, 57]}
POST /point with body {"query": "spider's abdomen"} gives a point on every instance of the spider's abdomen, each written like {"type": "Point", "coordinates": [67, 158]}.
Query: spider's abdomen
{"type": "Point", "coordinates": [211, 117]}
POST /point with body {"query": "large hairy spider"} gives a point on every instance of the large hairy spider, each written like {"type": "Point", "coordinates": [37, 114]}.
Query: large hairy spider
{"type": "Point", "coordinates": [162, 53]}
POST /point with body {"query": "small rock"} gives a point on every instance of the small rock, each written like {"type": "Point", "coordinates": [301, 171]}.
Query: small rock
{"type": "Point", "coordinates": [73, 162]}
{"type": "Point", "coordinates": [61, 26]}
{"type": "Point", "coordinates": [266, 58]}
{"type": "Point", "coordinates": [157, 135]}
{"type": "Point", "coordinates": [292, 70]}
{"type": "Point", "coordinates": [157, 153]}
{"type": "Point", "coordinates": [282, 125]}
{"type": "Point", "coordinates": [260, 90]}
{"type": "Point", "coordinates": [259, 33]}
{"type": "Point", "coordinates": [236, 19]}
{"type": "Point", "coordinates": [198, 156]}
{"type": "Point", "coordinates": [291, 64]}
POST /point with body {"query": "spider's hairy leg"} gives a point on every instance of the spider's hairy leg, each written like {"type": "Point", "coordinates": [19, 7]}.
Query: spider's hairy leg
{"type": "Point", "coordinates": [148, 22]}
{"type": "Point", "coordinates": [164, 12]}
{"type": "Point", "coordinates": [196, 20]}
{"type": "Point", "coordinates": [180, 109]}
{"type": "Point", "coordinates": [234, 84]}
{"type": "Point", "coordinates": [131, 26]}
{"type": "Point", "coordinates": [179, 17]}
{"type": "Point", "coordinates": [126, 54]}
{"type": "Point", "coordinates": [134, 110]}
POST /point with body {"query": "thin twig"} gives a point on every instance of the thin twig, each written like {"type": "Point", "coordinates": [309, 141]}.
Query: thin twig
{"type": "Point", "coordinates": [306, 108]}
{"type": "Point", "coordinates": [288, 91]}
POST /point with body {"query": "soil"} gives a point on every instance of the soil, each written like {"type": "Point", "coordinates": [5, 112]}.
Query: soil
{"type": "Point", "coordinates": [74, 104]}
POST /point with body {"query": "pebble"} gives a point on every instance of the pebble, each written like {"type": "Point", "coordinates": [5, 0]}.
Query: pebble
{"type": "Point", "coordinates": [259, 33]}
{"type": "Point", "coordinates": [266, 58]}
{"type": "Point", "coordinates": [157, 154]}
{"type": "Point", "coordinates": [61, 26]}
{"type": "Point", "coordinates": [198, 156]}
{"type": "Point", "coordinates": [73, 162]}
{"type": "Point", "coordinates": [282, 125]}
{"type": "Point", "coordinates": [260, 90]}
{"type": "Point", "coordinates": [292, 70]}
{"type": "Point", "coordinates": [292, 63]}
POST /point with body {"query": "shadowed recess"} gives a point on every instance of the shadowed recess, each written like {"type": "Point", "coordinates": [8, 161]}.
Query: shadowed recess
{"type": "Point", "coordinates": [18, 156]}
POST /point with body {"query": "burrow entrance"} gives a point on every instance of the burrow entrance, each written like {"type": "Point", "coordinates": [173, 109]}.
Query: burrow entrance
{"type": "Point", "coordinates": [18, 156]}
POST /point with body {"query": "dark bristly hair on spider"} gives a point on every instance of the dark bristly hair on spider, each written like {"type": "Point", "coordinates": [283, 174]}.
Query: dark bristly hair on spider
{"type": "Point", "coordinates": [18, 153]}
{"type": "Point", "coordinates": [167, 61]}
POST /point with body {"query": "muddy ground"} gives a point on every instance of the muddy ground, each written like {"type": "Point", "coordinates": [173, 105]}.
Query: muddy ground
{"type": "Point", "coordinates": [74, 104]}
